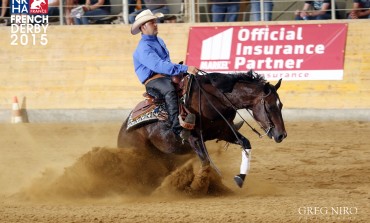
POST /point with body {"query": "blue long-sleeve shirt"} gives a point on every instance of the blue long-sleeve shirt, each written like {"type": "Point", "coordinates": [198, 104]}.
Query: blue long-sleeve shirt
{"type": "Point", "coordinates": [151, 56]}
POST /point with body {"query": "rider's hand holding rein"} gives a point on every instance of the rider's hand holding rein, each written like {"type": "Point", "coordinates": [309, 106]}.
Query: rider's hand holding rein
{"type": "Point", "coordinates": [192, 70]}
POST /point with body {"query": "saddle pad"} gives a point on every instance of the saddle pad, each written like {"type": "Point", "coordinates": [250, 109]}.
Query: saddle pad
{"type": "Point", "coordinates": [142, 107]}
{"type": "Point", "coordinates": [155, 113]}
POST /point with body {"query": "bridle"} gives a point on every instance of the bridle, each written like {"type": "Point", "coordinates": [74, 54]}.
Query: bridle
{"type": "Point", "coordinates": [266, 115]}
{"type": "Point", "coordinates": [270, 124]}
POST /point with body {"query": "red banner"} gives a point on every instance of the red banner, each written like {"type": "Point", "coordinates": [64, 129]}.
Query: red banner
{"type": "Point", "coordinates": [292, 52]}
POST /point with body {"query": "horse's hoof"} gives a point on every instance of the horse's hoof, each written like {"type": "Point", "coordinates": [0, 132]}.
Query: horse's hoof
{"type": "Point", "coordinates": [239, 181]}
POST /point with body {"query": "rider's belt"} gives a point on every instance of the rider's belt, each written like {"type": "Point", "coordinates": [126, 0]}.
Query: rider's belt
{"type": "Point", "coordinates": [154, 76]}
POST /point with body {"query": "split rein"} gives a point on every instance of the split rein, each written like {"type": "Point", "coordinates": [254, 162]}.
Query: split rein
{"type": "Point", "coordinates": [201, 90]}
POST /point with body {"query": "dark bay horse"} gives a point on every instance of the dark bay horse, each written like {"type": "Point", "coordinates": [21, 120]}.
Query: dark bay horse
{"type": "Point", "coordinates": [215, 99]}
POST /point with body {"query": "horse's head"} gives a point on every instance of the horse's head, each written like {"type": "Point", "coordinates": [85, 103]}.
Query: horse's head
{"type": "Point", "coordinates": [267, 112]}
{"type": "Point", "coordinates": [251, 91]}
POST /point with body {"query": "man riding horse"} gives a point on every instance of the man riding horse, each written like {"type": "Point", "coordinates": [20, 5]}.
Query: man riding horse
{"type": "Point", "coordinates": [154, 68]}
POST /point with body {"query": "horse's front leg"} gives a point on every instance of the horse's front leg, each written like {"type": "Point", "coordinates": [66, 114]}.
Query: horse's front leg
{"type": "Point", "coordinates": [246, 154]}
{"type": "Point", "coordinates": [238, 139]}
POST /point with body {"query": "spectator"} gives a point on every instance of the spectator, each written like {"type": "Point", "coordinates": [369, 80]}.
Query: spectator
{"type": "Point", "coordinates": [360, 10]}
{"type": "Point", "coordinates": [225, 12]}
{"type": "Point", "coordinates": [93, 10]}
{"type": "Point", "coordinates": [53, 10]}
{"type": "Point", "coordinates": [70, 4]}
{"type": "Point", "coordinates": [155, 6]}
{"type": "Point", "coordinates": [131, 6]}
{"type": "Point", "coordinates": [256, 10]}
{"type": "Point", "coordinates": [321, 10]}
{"type": "Point", "coordinates": [5, 11]}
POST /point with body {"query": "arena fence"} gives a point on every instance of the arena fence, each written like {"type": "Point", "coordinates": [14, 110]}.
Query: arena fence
{"type": "Point", "coordinates": [86, 69]}
{"type": "Point", "coordinates": [198, 11]}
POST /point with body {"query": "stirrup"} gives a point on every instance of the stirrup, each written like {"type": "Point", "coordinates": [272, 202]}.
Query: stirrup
{"type": "Point", "coordinates": [189, 122]}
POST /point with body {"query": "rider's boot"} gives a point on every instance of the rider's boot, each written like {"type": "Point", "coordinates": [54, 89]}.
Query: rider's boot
{"type": "Point", "coordinates": [173, 113]}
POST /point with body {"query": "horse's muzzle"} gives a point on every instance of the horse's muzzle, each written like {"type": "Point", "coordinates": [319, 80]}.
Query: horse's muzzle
{"type": "Point", "coordinates": [280, 137]}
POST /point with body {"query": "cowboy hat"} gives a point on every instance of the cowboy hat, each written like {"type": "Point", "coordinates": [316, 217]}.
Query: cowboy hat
{"type": "Point", "coordinates": [142, 18]}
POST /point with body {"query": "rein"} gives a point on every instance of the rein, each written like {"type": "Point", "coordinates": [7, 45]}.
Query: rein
{"type": "Point", "coordinates": [214, 107]}
{"type": "Point", "coordinates": [201, 130]}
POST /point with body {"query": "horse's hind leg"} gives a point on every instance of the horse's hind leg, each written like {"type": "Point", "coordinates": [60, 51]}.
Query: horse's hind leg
{"type": "Point", "coordinates": [135, 139]}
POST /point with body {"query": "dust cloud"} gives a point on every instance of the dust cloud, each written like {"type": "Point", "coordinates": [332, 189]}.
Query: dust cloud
{"type": "Point", "coordinates": [109, 172]}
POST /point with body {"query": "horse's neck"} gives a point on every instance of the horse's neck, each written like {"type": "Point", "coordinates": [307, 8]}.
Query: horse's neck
{"type": "Point", "coordinates": [210, 102]}
{"type": "Point", "coordinates": [244, 95]}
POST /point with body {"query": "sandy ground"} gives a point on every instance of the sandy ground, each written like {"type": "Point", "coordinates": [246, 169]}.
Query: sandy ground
{"type": "Point", "coordinates": [73, 173]}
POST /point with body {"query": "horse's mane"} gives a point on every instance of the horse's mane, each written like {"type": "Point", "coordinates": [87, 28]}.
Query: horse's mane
{"type": "Point", "coordinates": [226, 82]}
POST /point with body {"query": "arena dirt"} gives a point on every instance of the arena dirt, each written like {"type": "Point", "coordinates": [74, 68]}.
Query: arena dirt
{"type": "Point", "coordinates": [74, 173]}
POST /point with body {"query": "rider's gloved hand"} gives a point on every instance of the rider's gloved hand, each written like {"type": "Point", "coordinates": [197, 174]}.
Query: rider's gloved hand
{"type": "Point", "coordinates": [192, 70]}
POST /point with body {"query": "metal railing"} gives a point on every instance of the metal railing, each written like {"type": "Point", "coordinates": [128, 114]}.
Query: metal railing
{"type": "Point", "coordinates": [197, 11]}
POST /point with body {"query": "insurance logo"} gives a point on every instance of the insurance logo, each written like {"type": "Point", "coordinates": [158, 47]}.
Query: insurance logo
{"type": "Point", "coordinates": [292, 52]}
{"type": "Point", "coordinates": [216, 51]}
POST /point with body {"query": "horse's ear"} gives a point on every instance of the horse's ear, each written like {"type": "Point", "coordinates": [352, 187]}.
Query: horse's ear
{"type": "Point", "coordinates": [278, 84]}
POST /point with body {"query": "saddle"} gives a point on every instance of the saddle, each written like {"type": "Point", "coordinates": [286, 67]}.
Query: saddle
{"type": "Point", "coordinates": [152, 108]}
